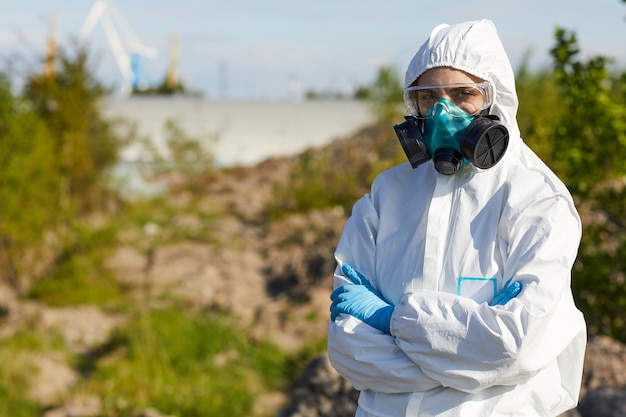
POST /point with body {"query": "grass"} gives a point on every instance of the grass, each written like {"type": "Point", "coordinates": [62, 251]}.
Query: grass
{"type": "Point", "coordinates": [76, 281]}
{"type": "Point", "coordinates": [14, 382]}
{"type": "Point", "coordinates": [185, 365]}
{"type": "Point", "coordinates": [78, 276]}
{"type": "Point", "coordinates": [16, 406]}
{"type": "Point", "coordinates": [18, 369]}
{"type": "Point", "coordinates": [338, 174]}
{"type": "Point", "coordinates": [179, 361]}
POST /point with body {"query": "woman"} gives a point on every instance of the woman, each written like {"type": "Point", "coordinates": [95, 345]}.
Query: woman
{"type": "Point", "coordinates": [452, 292]}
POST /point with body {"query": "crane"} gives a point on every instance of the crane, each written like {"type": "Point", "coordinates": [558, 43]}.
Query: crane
{"type": "Point", "coordinates": [126, 47]}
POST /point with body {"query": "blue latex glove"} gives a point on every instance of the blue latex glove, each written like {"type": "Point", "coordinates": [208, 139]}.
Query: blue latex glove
{"type": "Point", "coordinates": [357, 278]}
{"type": "Point", "coordinates": [361, 301]}
{"type": "Point", "coordinates": [509, 290]}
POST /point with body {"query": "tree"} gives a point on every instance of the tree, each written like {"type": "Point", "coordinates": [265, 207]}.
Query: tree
{"type": "Point", "coordinates": [539, 107]}
{"type": "Point", "coordinates": [84, 143]}
{"type": "Point", "coordinates": [28, 187]}
{"type": "Point", "coordinates": [589, 153]}
{"type": "Point", "coordinates": [55, 151]}
{"type": "Point", "coordinates": [591, 131]}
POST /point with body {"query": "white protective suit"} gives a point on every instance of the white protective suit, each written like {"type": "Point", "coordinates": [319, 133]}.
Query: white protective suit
{"type": "Point", "coordinates": [440, 247]}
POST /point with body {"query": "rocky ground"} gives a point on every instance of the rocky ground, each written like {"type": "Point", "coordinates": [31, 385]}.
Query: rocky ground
{"type": "Point", "coordinates": [322, 393]}
{"type": "Point", "coordinates": [273, 276]}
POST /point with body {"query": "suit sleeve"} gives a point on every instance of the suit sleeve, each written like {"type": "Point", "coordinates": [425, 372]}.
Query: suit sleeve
{"type": "Point", "coordinates": [367, 358]}
{"type": "Point", "coordinates": [470, 346]}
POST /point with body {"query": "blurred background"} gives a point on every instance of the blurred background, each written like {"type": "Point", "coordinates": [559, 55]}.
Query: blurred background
{"type": "Point", "coordinates": [175, 176]}
{"type": "Point", "coordinates": [274, 50]}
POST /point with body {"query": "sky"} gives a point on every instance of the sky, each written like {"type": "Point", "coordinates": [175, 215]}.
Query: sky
{"type": "Point", "coordinates": [275, 50]}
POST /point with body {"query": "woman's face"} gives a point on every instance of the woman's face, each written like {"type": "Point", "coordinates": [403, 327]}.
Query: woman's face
{"type": "Point", "coordinates": [468, 92]}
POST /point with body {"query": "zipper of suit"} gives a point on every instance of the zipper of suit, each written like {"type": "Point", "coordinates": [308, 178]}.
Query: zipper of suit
{"type": "Point", "coordinates": [438, 229]}
{"type": "Point", "coordinates": [454, 210]}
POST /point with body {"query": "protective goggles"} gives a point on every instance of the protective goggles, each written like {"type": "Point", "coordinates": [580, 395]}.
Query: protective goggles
{"type": "Point", "coordinates": [471, 97]}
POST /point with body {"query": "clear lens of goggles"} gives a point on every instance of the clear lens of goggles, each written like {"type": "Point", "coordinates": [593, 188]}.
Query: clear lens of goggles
{"type": "Point", "coordinates": [471, 97]}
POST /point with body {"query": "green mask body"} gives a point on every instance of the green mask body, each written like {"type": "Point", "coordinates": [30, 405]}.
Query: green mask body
{"type": "Point", "coordinates": [444, 130]}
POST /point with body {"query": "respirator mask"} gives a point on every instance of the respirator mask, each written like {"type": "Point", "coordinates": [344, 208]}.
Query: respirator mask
{"type": "Point", "coordinates": [451, 124]}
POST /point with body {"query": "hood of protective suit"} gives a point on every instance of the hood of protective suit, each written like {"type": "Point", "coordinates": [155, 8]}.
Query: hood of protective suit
{"type": "Point", "coordinates": [473, 47]}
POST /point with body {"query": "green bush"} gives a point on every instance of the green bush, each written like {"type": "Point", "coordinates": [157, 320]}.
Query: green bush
{"type": "Point", "coordinates": [589, 153]}
{"type": "Point", "coordinates": [85, 144]}
{"type": "Point", "coordinates": [29, 186]}
{"type": "Point", "coordinates": [56, 151]}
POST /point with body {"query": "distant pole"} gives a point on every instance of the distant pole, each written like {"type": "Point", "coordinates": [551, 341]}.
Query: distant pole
{"type": "Point", "coordinates": [172, 72]}
{"type": "Point", "coordinates": [51, 53]}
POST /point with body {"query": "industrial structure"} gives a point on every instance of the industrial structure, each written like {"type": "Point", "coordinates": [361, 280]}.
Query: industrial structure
{"type": "Point", "coordinates": [127, 50]}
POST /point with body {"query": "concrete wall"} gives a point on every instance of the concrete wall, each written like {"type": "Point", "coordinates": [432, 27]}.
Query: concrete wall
{"type": "Point", "coordinates": [245, 132]}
